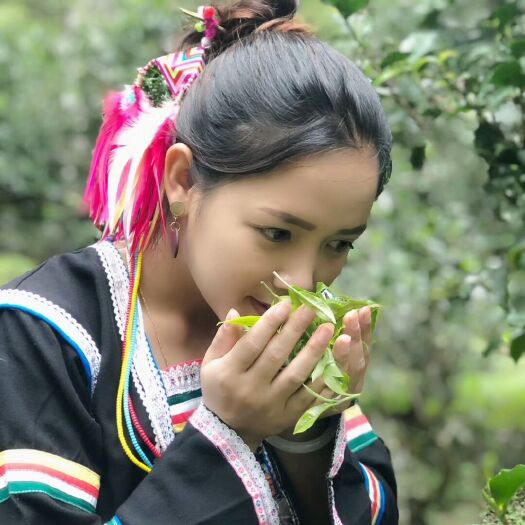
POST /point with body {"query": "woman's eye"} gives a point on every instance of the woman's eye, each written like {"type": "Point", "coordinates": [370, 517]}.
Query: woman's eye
{"type": "Point", "coordinates": [342, 246]}
{"type": "Point", "coordinates": [279, 235]}
{"type": "Point", "coordinates": [275, 234]}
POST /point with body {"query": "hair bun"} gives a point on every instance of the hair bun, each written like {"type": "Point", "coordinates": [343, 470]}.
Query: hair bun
{"type": "Point", "coordinates": [283, 8]}
{"type": "Point", "coordinates": [241, 18]}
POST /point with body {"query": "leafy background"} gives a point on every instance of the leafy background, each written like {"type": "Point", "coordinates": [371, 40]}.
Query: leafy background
{"type": "Point", "coordinates": [445, 250]}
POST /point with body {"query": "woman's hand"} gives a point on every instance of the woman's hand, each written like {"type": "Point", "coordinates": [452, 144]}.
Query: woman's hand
{"type": "Point", "coordinates": [241, 377]}
{"type": "Point", "coordinates": [352, 355]}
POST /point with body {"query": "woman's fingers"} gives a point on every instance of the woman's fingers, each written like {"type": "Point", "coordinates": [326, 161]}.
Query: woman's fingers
{"type": "Point", "coordinates": [351, 354]}
{"type": "Point", "coordinates": [251, 345]}
{"type": "Point", "coordinates": [340, 351]}
{"type": "Point", "coordinates": [278, 350]}
{"type": "Point", "coordinates": [365, 323]}
{"type": "Point", "coordinates": [291, 379]}
{"type": "Point", "coordinates": [225, 338]}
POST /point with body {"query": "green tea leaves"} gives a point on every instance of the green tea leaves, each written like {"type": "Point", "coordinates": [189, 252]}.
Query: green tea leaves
{"type": "Point", "coordinates": [336, 380]}
{"type": "Point", "coordinates": [310, 417]}
{"type": "Point", "coordinates": [247, 321]}
{"type": "Point", "coordinates": [330, 308]}
{"type": "Point", "coordinates": [319, 368]}
{"type": "Point", "coordinates": [300, 296]}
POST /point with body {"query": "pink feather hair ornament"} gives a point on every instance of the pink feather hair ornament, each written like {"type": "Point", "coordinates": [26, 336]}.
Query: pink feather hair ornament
{"type": "Point", "coordinates": [124, 191]}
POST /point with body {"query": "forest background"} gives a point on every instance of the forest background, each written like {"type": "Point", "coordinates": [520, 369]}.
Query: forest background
{"type": "Point", "coordinates": [445, 250]}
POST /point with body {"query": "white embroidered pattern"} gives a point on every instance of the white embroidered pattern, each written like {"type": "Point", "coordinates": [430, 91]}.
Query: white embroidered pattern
{"type": "Point", "coordinates": [182, 378]}
{"type": "Point", "coordinates": [242, 460]}
{"type": "Point", "coordinates": [333, 511]}
{"type": "Point", "coordinates": [62, 321]}
{"type": "Point", "coordinates": [337, 460]}
{"type": "Point", "coordinates": [339, 449]}
{"type": "Point", "coordinates": [146, 377]}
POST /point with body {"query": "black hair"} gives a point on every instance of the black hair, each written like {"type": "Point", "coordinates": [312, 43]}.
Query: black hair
{"type": "Point", "coordinates": [272, 93]}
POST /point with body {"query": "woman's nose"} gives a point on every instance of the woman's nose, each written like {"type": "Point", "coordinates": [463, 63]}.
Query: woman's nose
{"type": "Point", "coordinates": [301, 278]}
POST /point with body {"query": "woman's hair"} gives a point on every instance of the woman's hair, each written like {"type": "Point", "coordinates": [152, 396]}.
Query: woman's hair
{"type": "Point", "coordinates": [272, 93]}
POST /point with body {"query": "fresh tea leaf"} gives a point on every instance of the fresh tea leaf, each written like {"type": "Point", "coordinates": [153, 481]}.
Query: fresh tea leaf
{"type": "Point", "coordinates": [307, 420]}
{"type": "Point", "coordinates": [248, 321]}
{"type": "Point", "coordinates": [323, 292]}
{"type": "Point", "coordinates": [319, 305]}
{"type": "Point", "coordinates": [334, 401]}
{"type": "Point", "coordinates": [295, 299]}
{"type": "Point", "coordinates": [335, 379]}
{"type": "Point", "coordinates": [310, 299]}
{"type": "Point", "coordinates": [320, 366]}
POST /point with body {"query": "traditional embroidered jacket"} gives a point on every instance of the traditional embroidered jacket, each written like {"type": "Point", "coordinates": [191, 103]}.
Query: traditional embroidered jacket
{"type": "Point", "coordinates": [61, 327]}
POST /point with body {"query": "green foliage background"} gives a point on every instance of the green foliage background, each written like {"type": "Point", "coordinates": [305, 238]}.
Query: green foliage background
{"type": "Point", "coordinates": [445, 249]}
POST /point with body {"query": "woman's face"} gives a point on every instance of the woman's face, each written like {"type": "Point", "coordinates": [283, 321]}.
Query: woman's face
{"type": "Point", "coordinates": [299, 221]}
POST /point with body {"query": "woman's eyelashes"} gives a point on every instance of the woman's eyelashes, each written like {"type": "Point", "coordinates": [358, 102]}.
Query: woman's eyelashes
{"type": "Point", "coordinates": [283, 235]}
{"type": "Point", "coordinates": [279, 235]}
{"type": "Point", "coordinates": [346, 245]}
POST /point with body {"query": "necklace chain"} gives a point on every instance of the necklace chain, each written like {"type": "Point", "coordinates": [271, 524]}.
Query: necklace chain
{"type": "Point", "coordinates": [148, 313]}
{"type": "Point", "coordinates": [154, 328]}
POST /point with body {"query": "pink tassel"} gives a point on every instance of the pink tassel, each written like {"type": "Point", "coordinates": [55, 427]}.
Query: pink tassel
{"type": "Point", "coordinates": [119, 108]}
{"type": "Point", "coordinates": [122, 111]}
{"type": "Point", "coordinates": [149, 192]}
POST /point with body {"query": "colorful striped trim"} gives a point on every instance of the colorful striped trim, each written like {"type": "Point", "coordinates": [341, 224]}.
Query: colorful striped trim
{"type": "Point", "coordinates": [242, 460]}
{"type": "Point", "coordinates": [376, 494]}
{"type": "Point", "coordinates": [24, 471]}
{"type": "Point", "coordinates": [62, 322]}
{"type": "Point", "coordinates": [146, 378]}
{"type": "Point", "coordinates": [182, 407]}
{"type": "Point", "coordinates": [358, 431]}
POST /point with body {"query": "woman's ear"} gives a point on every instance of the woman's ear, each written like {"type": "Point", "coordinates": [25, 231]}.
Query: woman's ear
{"type": "Point", "coordinates": [177, 164]}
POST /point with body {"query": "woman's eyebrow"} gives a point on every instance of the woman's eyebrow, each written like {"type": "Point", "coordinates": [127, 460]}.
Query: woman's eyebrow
{"type": "Point", "coordinates": [305, 225]}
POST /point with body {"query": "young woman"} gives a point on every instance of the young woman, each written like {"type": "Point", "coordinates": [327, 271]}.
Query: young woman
{"type": "Point", "coordinates": [254, 148]}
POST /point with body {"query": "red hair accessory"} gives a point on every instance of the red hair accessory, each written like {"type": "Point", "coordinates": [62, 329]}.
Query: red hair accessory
{"type": "Point", "coordinates": [207, 24]}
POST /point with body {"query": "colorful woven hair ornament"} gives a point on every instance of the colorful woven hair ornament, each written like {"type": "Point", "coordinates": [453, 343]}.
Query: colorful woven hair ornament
{"type": "Point", "coordinates": [208, 23]}
{"type": "Point", "coordinates": [124, 192]}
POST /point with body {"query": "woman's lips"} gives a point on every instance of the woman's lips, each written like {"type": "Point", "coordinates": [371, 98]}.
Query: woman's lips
{"type": "Point", "coordinates": [259, 307]}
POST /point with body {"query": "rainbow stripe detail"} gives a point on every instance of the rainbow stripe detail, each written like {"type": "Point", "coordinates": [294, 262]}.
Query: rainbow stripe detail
{"type": "Point", "coordinates": [24, 471]}
{"type": "Point", "coordinates": [357, 428]}
{"type": "Point", "coordinates": [376, 494]}
{"type": "Point", "coordinates": [182, 407]}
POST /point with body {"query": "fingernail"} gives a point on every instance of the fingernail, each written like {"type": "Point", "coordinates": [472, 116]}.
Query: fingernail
{"type": "Point", "coordinates": [282, 307]}
{"type": "Point", "coordinates": [345, 339]}
{"type": "Point", "coordinates": [232, 314]}
{"type": "Point", "coordinates": [326, 332]}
